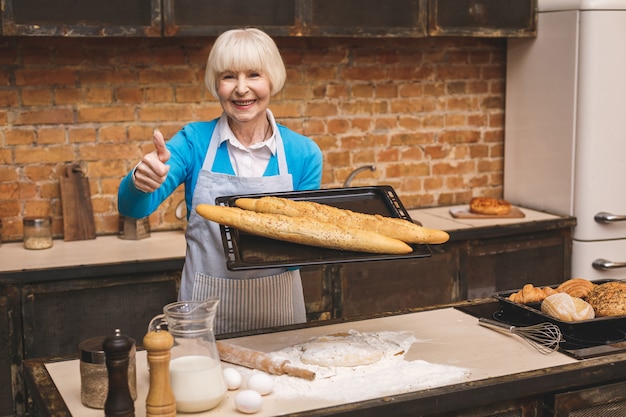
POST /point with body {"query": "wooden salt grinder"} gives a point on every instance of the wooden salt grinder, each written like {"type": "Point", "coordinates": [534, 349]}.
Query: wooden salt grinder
{"type": "Point", "coordinates": [160, 401]}
{"type": "Point", "coordinates": [119, 402]}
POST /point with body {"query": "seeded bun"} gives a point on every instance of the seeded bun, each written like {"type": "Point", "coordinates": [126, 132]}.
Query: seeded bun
{"type": "Point", "coordinates": [608, 299]}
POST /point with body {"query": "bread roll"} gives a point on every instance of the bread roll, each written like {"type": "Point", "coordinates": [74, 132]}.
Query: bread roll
{"type": "Point", "coordinates": [564, 307]}
{"type": "Point", "coordinates": [489, 205]}
{"type": "Point", "coordinates": [576, 287]}
{"type": "Point", "coordinates": [608, 299]}
{"type": "Point", "coordinates": [303, 230]}
{"type": "Point", "coordinates": [531, 294]}
{"type": "Point", "coordinates": [400, 229]}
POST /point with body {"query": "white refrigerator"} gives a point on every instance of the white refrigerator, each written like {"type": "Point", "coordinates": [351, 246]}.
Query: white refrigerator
{"type": "Point", "coordinates": [565, 127]}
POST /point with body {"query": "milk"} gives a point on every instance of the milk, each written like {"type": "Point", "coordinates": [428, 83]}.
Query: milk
{"type": "Point", "coordinates": [197, 383]}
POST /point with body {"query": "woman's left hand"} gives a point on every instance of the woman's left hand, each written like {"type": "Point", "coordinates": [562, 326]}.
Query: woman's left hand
{"type": "Point", "coordinates": [152, 171]}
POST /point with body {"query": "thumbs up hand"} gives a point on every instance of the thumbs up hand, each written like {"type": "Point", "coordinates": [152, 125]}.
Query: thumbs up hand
{"type": "Point", "coordinates": [159, 143]}
{"type": "Point", "coordinates": [152, 171]}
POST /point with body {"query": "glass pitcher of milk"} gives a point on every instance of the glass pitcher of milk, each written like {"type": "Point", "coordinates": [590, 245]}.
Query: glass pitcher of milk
{"type": "Point", "coordinates": [195, 370]}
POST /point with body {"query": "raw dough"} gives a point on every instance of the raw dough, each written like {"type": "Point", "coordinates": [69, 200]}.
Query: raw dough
{"type": "Point", "coordinates": [340, 350]}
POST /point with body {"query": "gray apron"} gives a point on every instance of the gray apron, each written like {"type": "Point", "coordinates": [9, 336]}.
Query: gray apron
{"type": "Point", "coordinates": [248, 299]}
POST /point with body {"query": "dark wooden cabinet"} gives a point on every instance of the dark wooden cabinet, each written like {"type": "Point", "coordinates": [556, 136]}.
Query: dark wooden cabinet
{"type": "Point", "coordinates": [319, 286]}
{"type": "Point", "coordinates": [496, 264]}
{"type": "Point", "coordinates": [605, 401]}
{"type": "Point", "coordinates": [364, 288]}
{"type": "Point", "coordinates": [388, 286]}
{"type": "Point", "coordinates": [381, 18]}
{"type": "Point", "coordinates": [525, 407]}
{"type": "Point", "coordinates": [57, 316]}
{"type": "Point", "coordinates": [212, 17]}
{"type": "Point", "coordinates": [12, 395]}
{"type": "Point", "coordinates": [81, 18]}
{"type": "Point", "coordinates": [485, 18]}
{"type": "Point", "coordinates": [348, 18]}
{"type": "Point", "coordinates": [354, 18]}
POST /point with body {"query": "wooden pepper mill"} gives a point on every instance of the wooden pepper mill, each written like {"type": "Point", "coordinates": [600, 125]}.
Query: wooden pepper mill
{"type": "Point", "coordinates": [160, 401]}
{"type": "Point", "coordinates": [119, 402]}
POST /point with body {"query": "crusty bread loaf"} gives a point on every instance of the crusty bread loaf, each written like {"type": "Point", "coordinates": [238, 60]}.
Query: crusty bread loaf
{"type": "Point", "coordinates": [400, 229]}
{"type": "Point", "coordinates": [489, 205]}
{"type": "Point", "coordinates": [576, 287]}
{"type": "Point", "coordinates": [564, 307]}
{"type": "Point", "coordinates": [531, 294]}
{"type": "Point", "coordinates": [608, 299]}
{"type": "Point", "coordinates": [301, 230]}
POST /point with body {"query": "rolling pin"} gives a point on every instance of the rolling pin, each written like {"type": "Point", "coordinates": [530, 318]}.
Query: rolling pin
{"type": "Point", "coordinates": [262, 361]}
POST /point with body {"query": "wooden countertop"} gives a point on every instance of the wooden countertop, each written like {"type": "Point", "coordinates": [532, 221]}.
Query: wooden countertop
{"type": "Point", "coordinates": [463, 228]}
{"type": "Point", "coordinates": [501, 366]}
{"type": "Point", "coordinates": [102, 250]}
{"type": "Point", "coordinates": [440, 218]}
{"type": "Point", "coordinates": [171, 245]}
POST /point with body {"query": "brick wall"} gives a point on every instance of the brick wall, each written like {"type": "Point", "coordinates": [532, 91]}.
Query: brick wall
{"type": "Point", "coordinates": [428, 113]}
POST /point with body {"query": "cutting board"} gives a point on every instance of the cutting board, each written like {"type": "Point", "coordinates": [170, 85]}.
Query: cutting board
{"type": "Point", "coordinates": [465, 213]}
{"type": "Point", "coordinates": [78, 221]}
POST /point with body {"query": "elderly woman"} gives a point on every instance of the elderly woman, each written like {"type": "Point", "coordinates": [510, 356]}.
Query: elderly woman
{"type": "Point", "coordinates": [244, 151]}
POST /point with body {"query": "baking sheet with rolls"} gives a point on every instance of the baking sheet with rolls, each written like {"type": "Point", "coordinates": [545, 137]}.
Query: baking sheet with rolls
{"type": "Point", "coordinates": [531, 314]}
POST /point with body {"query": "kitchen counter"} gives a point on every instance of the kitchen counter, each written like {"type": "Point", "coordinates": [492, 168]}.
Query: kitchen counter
{"type": "Point", "coordinates": [462, 228]}
{"type": "Point", "coordinates": [51, 299]}
{"type": "Point", "coordinates": [162, 247]}
{"type": "Point", "coordinates": [500, 366]}
{"type": "Point", "coordinates": [14, 259]}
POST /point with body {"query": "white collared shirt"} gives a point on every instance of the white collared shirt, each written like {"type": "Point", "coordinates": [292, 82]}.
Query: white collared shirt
{"type": "Point", "coordinates": [251, 161]}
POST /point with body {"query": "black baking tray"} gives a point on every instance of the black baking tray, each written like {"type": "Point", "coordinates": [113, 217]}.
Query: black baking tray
{"type": "Point", "coordinates": [582, 344]}
{"type": "Point", "coordinates": [246, 251]}
{"type": "Point", "coordinates": [531, 314]}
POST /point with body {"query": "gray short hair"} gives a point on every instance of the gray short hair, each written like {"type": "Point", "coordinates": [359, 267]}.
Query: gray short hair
{"type": "Point", "coordinates": [243, 50]}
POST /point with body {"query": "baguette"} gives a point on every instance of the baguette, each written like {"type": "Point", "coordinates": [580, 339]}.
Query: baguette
{"type": "Point", "coordinates": [303, 230]}
{"type": "Point", "coordinates": [400, 229]}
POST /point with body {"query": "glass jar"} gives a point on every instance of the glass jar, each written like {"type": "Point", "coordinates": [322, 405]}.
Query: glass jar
{"type": "Point", "coordinates": [37, 233]}
{"type": "Point", "coordinates": [94, 377]}
{"type": "Point", "coordinates": [195, 369]}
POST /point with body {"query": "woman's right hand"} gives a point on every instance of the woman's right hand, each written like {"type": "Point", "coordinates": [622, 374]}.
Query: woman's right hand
{"type": "Point", "coordinates": [152, 171]}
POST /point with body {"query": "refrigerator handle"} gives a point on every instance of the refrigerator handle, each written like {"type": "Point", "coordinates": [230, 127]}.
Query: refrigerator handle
{"type": "Point", "coordinates": [606, 264]}
{"type": "Point", "coordinates": [604, 217]}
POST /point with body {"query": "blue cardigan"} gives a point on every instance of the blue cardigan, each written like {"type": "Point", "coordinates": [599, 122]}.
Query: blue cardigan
{"type": "Point", "coordinates": [188, 149]}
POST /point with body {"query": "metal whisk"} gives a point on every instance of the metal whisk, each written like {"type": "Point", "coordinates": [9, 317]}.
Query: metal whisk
{"type": "Point", "coordinates": [545, 337]}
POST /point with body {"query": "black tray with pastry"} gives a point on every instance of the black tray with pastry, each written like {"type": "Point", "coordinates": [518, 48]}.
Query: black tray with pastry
{"type": "Point", "coordinates": [530, 313]}
{"type": "Point", "coordinates": [247, 251]}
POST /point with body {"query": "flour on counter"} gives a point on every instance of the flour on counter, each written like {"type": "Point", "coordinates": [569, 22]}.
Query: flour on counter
{"type": "Point", "coordinates": [390, 375]}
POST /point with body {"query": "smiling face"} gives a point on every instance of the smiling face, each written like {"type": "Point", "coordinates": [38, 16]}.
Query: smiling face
{"type": "Point", "coordinates": [244, 49]}
{"type": "Point", "coordinates": [244, 95]}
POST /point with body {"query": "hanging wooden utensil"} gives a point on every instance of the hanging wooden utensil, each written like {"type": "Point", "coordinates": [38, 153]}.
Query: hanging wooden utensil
{"type": "Point", "coordinates": [78, 221]}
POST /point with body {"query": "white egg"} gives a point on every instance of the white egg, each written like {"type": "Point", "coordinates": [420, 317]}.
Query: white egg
{"type": "Point", "coordinates": [261, 383]}
{"type": "Point", "coordinates": [232, 377]}
{"type": "Point", "coordinates": [248, 401]}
